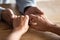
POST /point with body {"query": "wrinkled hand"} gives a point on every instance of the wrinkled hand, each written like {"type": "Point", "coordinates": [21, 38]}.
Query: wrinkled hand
{"type": "Point", "coordinates": [38, 20]}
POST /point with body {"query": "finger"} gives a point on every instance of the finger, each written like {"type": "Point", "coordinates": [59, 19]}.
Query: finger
{"type": "Point", "coordinates": [33, 16]}
{"type": "Point", "coordinates": [12, 13]}
{"type": "Point", "coordinates": [26, 19]}
{"type": "Point", "coordinates": [22, 18]}
{"type": "Point", "coordinates": [34, 23]}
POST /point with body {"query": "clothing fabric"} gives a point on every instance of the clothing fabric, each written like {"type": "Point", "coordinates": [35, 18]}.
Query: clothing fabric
{"type": "Point", "coordinates": [24, 3]}
{"type": "Point", "coordinates": [4, 1]}
{"type": "Point", "coordinates": [21, 4]}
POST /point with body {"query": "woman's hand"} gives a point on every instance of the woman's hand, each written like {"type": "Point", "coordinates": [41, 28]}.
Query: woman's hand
{"type": "Point", "coordinates": [20, 28]}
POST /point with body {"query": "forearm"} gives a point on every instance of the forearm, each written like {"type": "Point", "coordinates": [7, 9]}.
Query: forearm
{"type": "Point", "coordinates": [15, 35]}
{"type": "Point", "coordinates": [55, 29]}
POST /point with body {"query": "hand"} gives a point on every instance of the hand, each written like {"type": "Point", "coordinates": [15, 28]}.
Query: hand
{"type": "Point", "coordinates": [21, 23]}
{"type": "Point", "coordinates": [38, 20]}
{"type": "Point", "coordinates": [20, 27]}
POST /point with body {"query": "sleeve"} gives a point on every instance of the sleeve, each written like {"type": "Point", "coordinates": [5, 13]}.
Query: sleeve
{"type": "Point", "coordinates": [24, 3]}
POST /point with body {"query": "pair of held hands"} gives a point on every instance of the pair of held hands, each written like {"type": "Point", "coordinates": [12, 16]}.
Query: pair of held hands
{"type": "Point", "coordinates": [24, 22]}
{"type": "Point", "coordinates": [33, 18]}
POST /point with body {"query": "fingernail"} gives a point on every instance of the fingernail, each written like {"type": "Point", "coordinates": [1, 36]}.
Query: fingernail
{"type": "Point", "coordinates": [22, 16]}
{"type": "Point", "coordinates": [18, 16]}
{"type": "Point", "coordinates": [27, 16]}
{"type": "Point", "coordinates": [34, 23]}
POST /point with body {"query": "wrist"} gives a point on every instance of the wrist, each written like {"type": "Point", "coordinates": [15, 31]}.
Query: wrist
{"type": "Point", "coordinates": [15, 35]}
{"type": "Point", "coordinates": [26, 8]}
{"type": "Point", "coordinates": [54, 29]}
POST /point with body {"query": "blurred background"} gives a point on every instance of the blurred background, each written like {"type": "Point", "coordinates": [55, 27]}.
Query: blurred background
{"type": "Point", "coordinates": [51, 8]}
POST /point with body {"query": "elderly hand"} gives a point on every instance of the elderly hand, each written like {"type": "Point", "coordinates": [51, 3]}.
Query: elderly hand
{"type": "Point", "coordinates": [38, 20]}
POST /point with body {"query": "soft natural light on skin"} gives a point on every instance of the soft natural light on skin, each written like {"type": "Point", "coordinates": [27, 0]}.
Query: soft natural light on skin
{"type": "Point", "coordinates": [15, 35]}
{"type": "Point", "coordinates": [11, 12]}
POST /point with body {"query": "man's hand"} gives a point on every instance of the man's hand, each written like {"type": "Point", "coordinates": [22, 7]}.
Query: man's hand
{"type": "Point", "coordinates": [38, 20]}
